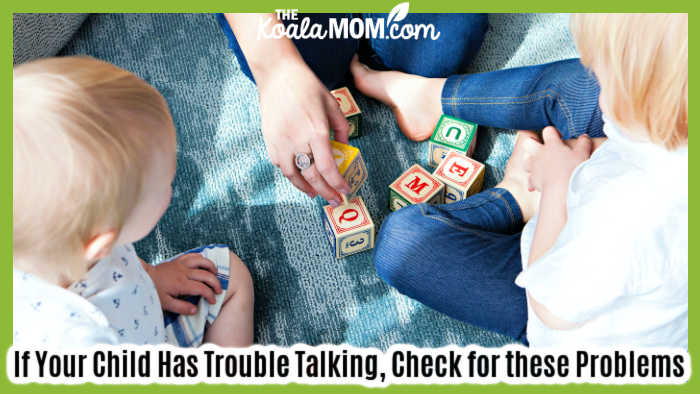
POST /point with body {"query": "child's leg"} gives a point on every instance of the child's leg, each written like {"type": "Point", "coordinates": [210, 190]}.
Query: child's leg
{"type": "Point", "coordinates": [562, 94]}
{"type": "Point", "coordinates": [233, 326]}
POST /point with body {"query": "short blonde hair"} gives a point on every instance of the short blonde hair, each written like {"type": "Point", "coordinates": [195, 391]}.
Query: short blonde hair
{"type": "Point", "coordinates": [83, 130]}
{"type": "Point", "coordinates": [643, 64]}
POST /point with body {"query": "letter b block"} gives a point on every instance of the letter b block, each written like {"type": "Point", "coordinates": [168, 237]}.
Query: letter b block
{"type": "Point", "coordinates": [350, 109]}
{"type": "Point", "coordinates": [451, 134]}
{"type": "Point", "coordinates": [350, 164]}
{"type": "Point", "coordinates": [415, 186]}
{"type": "Point", "coordinates": [349, 228]}
{"type": "Point", "coordinates": [462, 176]}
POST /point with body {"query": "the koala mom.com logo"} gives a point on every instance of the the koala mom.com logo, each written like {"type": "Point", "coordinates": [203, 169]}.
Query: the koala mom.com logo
{"type": "Point", "coordinates": [347, 27]}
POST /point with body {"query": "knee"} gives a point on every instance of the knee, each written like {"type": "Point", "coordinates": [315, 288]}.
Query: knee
{"type": "Point", "coordinates": [478, 26]}
{"type": "Point", "coordinates": [240, 280]}
{"type": "Point", "coordinates": [400, 244]}
{"type": "Point", "coordinates": [453, 55]}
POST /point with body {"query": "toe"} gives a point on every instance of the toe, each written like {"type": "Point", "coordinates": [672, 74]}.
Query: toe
{"type": "Point", "coordinates": [370, 82]}
{"type": "Point", "coordinates": [359, 71]}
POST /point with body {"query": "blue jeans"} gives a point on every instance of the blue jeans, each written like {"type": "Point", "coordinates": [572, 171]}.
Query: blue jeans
{"type": "Point", "coordinates": [460, 38]}
{"type": "Point", "coordinates": [460, 259]}
{"type": "Point", "coordinates": [563, 94]}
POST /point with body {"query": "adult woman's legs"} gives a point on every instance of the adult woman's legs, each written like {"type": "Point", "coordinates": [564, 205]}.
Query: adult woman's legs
{"type": "Point", "coordinates": [460, 37]}
{"type": "Point", "coordinates": [562, 94]}
{"type": "Point", "coordinates": [329, 59]}
{"type": "Point", "coordinates": [462, 258]}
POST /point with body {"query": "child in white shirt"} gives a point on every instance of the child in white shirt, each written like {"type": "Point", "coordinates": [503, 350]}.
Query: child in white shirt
{"type": "Point", "coordinates": [606, 258]}
{"type": "Point", "coordinates": [603, 256]}
{"type": "Point", "coordinates": [93, 160]}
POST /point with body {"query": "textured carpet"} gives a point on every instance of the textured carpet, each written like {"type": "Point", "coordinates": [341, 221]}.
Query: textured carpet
{"type": "Point", "coordinates": [225, 190]}
{"type": "Point", "coordinates": [42, 35]}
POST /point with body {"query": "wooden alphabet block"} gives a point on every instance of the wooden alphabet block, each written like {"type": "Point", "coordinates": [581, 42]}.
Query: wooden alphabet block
{"type": "Point", "coordinates": [451, 134]}
{"type": "Point", "coordinates": [415, 186]}
{"type": "Point", "coordinates": [349, 228]}
{"type": "Point", "coordinates": [350, 164]}
{"type": "Point", "coordinates": [350, 109]}
{"type": "Point", "coordinates": [462, 176]}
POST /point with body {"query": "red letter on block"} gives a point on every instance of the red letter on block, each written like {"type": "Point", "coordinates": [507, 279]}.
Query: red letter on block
{"type": "Point", "coordinates": [416, 186]}
{"type": "Point", "coordinates": [353, 215]}
{"type": "Point", "coordinates": [457, 169]}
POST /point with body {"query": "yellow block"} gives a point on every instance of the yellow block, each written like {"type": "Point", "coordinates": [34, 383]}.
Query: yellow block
{"type": "Point", "coordinates": [343, 155]}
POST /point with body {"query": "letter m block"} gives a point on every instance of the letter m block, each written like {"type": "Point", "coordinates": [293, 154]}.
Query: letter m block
{"type": "Point", "coordinates": [415, 186]}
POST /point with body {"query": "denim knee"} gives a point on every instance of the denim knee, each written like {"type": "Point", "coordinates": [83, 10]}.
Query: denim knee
{"type": "Point", "coordinates": [461, 36]}
{"type": "Point", "coordinates": [400, 244]}
{"type": "Point", "coordinates": [574, 110]}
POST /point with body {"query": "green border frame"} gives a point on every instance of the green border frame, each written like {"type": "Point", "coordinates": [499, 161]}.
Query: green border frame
{"type": "Point", "coordinates": [312, 6]}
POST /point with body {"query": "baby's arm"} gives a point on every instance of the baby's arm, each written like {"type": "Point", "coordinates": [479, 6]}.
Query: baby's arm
{"type": "Point", "coordinates": [233, 326]}
{"type": "Point", "coordinates": [189, 274]}
{"type": "Point", "coordinates": [551, 169]}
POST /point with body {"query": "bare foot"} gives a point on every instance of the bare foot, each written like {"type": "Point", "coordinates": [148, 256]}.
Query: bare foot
{"type": "Point", "coordinates": [415, 100]}
{"type": "Point", "coordinates": [516, 178]}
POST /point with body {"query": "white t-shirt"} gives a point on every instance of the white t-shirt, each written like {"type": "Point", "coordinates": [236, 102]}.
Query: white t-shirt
{"type": "Point", "coordinates": [621, 262]}
{"type": "Point", "coordinates": [116, 303]}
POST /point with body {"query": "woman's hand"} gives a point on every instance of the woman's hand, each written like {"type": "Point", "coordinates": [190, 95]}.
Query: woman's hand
{"type": "Point", "coordinates": [296, 108]}
{"type": "Point", "coordinates": [189, 274]}
{"type": "Point", "coordinates": [297, 114]}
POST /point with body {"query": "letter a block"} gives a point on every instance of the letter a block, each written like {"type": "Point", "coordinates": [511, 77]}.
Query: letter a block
{"type": "Point", "coordinates": [350, 109]}
{"type": "Point", "coordinates": [451, 134]}
{"type": "Point", "coordinates": [415, 186]}
{"type": "Point", "coordinates": [349, 228]}
{"type": "Point", "coordinates": [350, 164]}
{"type": "Point", "coordinates": [462, 176]}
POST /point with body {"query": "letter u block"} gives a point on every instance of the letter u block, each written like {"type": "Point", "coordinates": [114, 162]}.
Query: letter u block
{"type": "Point", "coordinates": [451, 134]}
{"type": "Point", "coordinates": [349, 228]}
{"type": "Point", "coordinates": [350, 109]}
{"type": "Point", "coordinates": [462, 176]}
{"type": "Point", "coordinates": [350, 164]}
{"type": "Point", "coordinates": [415, 186]}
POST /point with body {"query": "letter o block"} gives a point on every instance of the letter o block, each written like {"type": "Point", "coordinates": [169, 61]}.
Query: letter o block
{"type": "Point", "coordinates": [415, 186]}
{"type": "Point", "coordinates": [350, 164]}
{"type": "Point", "coordinates": [350, 109]}
{"type": "Point", "coordinates": [349, 228]}
{"type": "Point", "coordinates": [462, 176]}
{"type": "Point", "coordinates": [451, 134]}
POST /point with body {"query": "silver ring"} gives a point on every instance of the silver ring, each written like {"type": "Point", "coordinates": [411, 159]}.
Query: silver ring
{"type": "Point", "coordinates": [303, 160]}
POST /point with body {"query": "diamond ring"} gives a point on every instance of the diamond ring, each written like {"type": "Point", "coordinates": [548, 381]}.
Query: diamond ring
{"type": "Point", "coordinates": [303, 160]}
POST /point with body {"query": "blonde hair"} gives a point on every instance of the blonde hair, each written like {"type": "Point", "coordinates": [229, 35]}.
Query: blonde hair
{"type": "Point", "coordinates": [82, 132]}
{"type": "Point", "coordinates": [641, 61]}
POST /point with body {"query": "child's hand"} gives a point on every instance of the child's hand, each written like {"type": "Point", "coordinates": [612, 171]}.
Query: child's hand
{"type": "Point", "coordinates": [189, 274]}
{"type": "Point", "coordinates": [554, 163]}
